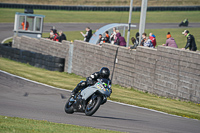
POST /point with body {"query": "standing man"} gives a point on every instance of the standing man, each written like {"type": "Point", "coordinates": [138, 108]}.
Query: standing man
{"type": "Point", "coordinates": [190, 41]}
{"type": "Point", "coordinates": [62, 36]}
{"type": "Point", "coordinates": [87, 35]}
{"type": "Point", "coordinates": [23, 25]}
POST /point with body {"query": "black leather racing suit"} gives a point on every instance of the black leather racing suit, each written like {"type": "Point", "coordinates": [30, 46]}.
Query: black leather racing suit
{"type": "Point", "coordinates": [91, 80]}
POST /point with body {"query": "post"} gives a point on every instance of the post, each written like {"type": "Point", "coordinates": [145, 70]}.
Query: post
{"type": "Point", "coordinates": [71, 47]}
{"type": "Point", "coordinates": [142, 18]}
{"type": "Point", "coordinates": [115, 61]}
{"type": "Point", "coordinates": [129, 22]}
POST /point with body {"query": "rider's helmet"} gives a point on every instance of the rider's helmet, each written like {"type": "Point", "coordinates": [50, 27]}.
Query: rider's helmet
{"type": "Point", "coordinates": [104, 72]}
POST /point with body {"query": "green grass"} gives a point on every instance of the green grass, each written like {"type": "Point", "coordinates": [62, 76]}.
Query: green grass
{"type": "Point", "coordinates": [21, 125]}
{"type": "Point", "coordinates": [7, 15]}
{"type": "Point", "coordinates": [120, 94]}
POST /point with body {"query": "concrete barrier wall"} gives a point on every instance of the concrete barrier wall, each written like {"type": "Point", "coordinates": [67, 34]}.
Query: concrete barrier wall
{"type": "Point", "coordinates": [165, 71]}
{"type": "Point", "coordinates": [89, 58]}
{"type": "Point", "coordinates": [145, 67]}
{"type": "Point", "coordinates": [43, 46]}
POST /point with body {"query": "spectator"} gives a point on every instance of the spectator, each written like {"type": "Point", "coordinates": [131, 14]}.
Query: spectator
{"type": "Point", "coordinates": [23, 25]}
{"type": "Point", "coordinates": [115, 40]}
{"type": "Point", "coordinates": [113, 35]}
{"type": "Point", "coordinates": [55, 35]}
{"type": "Point", "coordinates": [152, 37]}
{"type": "Point", "coordinates": [51, 36]}
{"type": "Point", "coordinates": [190, 41]}
{"type": "Point", "coordinates": [87, 35]}
{"type": "Point", "coordinates": [144, 35]}
{"type": "Point", "coordinates": [62, 36]}
{"type": "Point", "coordinates": [100, 39]}
{"type": "Point", "coordinates": [135, 41]}
{"type": "Point", "coordinates": [137, 35]}
{"type": "Point", "coordinates": [120, 40]}
{"type": "Point", "coordinates": [148, 43]}
{"type": "Point", "coordinates": [107, 37]}
{"type": "Point", "coordinates": [170, 41]}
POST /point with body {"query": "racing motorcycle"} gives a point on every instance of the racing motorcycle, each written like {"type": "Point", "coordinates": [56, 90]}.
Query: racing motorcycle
{"type": "Point", "coordinates": [89, 99]}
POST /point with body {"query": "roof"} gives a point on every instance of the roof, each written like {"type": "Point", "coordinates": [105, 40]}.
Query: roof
{"type": "Point", "coordinates": [94, 39]}
{"type": "Point", "coordinates": [26, 14]}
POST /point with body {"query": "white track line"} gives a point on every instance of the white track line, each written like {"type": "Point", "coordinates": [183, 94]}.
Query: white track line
{"type": "Point", "coordinates": [6, 39]}
{"type": "Point", "coordinates": [133, 106]}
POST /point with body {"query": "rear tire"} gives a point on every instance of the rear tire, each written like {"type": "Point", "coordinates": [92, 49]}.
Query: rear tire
{"type": "Point", "coordinates": [69, 107]}
{"type": "Point", "coordinates": [93, 105]}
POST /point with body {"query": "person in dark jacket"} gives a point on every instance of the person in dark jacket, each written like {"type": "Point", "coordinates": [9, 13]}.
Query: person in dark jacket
{"type": "Point", "coordinates": [92, 79]}
{"type": "Point", "coordinates": [106, 38]}
{"type": "Point", "coordinates": [87, 35]}
{"type": "Point", "coordinates": [135, 41]}
{"type": "Point", "coordinates": [120, 40]}
{"type": "Point", "coordinates": [191, 44]}
{"type": "Point", "coordinates": [62, 36]}
{"type": "Point", "coordinates": [170, 41]}
{"type": "Point", "coordinates": [100, 41]}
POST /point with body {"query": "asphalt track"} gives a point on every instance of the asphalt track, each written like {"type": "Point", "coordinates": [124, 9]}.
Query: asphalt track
{"type": "Point", "coordinates": [6, 29]}
{"type": "Point", "coordinates": [25, 99]}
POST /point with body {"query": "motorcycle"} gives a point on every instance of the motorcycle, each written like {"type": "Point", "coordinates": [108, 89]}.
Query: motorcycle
{"type": "Point", "coordinates": [89, 99]}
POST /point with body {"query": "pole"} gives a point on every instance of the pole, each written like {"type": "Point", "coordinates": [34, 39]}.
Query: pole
{"type": "Point", "coordinates": [129, 22]}
{"type": "Point", "coordinates": [114, 63]}
{"type": "Point", "coordinates": [142, 18]}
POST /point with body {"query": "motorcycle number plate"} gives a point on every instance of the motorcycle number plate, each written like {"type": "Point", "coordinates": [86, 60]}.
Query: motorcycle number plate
{"type": "Point", "coordinates": [100, 86]}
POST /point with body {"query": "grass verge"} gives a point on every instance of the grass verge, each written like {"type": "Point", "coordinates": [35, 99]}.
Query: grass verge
{"type": "Point", "coordinates": [21, 125]}
{"type": "Point", "coordinates": [54, 16]}
{"type": "Point", "coordinates": [120, 94]}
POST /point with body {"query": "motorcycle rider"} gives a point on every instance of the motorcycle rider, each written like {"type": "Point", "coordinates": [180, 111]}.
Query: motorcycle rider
{"type": "Point", "coordinates": [92, 79]}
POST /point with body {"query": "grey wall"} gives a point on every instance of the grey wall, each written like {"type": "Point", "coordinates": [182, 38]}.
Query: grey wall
{"type": "Point", "coordinates": [43, 46]}
{"type": "Point", "coordinates": [165, 71]}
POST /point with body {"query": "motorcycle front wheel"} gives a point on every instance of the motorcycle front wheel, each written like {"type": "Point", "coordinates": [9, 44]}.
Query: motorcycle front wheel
{"type": "Point", "coordinates": [93, 105]}
{"type": "Point", "coordinates": [69, 106]}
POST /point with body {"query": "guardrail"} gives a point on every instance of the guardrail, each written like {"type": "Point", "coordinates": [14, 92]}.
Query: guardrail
{"type": "Point", "coordinates": [99, 8]}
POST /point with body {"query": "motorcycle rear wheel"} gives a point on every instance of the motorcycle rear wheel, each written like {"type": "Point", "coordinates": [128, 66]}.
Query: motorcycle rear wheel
{"type": "Point", "coordinates": [93, 105]}
{"type": "Point", "coordinates": [69, 107]}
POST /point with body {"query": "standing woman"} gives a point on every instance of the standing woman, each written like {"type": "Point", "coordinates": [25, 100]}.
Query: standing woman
{"type": "Point", "coordinates": [170, 41]}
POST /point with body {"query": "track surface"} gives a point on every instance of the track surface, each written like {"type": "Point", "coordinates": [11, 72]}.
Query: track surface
{"type": "Point", "coordinates": [7, 28]}
{"type": "Point", "coordinates": [21, 98]}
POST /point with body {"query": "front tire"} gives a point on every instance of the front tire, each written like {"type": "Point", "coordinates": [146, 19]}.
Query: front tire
{"type": "Point", "coordinates": [93, 105]}
{"type": "Point", "coordinates": [69, 106]}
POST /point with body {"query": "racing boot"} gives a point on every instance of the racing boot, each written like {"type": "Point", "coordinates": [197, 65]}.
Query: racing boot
{"type": "Point", "coordinates": [84, 104]}
{"type": "Point", "coordinates": [79, 86]}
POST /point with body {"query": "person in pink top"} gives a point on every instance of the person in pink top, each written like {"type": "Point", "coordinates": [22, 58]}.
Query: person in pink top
{"type": "Point", "coordinates": [170, 41]}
